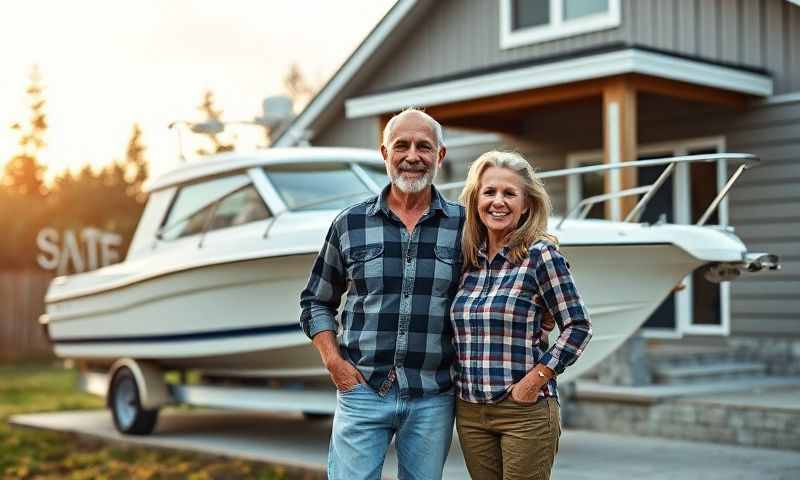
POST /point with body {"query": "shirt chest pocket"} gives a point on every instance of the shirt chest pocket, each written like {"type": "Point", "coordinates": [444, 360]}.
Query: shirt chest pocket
{"type": "Point", "coordinates": [365, 268]}
{"type": "Point", "coordinates": [447, 271]}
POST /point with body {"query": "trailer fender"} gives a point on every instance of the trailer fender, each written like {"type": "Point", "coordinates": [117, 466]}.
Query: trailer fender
{"type": "Point", "coordinates": [153, 389]}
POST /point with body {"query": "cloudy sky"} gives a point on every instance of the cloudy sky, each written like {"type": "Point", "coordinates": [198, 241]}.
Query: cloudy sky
{"type": "Point", "coordinates": [106, 65]}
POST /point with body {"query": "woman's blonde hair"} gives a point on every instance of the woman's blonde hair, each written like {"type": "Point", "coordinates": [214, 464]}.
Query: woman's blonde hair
{"type": "Point", "coordinates": [532, 224]}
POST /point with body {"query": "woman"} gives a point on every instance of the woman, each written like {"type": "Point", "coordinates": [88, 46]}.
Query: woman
{"type": "Point", "coordinates": [507, 412]}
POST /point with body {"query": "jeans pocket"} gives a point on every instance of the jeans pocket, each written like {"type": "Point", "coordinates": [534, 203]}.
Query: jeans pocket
{"type": "Point", "coordinates": [352, 389]}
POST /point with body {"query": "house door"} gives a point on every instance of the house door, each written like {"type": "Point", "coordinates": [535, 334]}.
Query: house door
{"type": "Point", "coordinates": [700, 307]}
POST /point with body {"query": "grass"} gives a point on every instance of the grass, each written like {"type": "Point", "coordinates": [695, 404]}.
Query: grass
{"type": "Point", "coordinates": [50, 455]}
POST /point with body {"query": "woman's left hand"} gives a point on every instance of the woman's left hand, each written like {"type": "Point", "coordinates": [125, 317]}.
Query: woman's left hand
{"type": "Point", "coordinates": [526, 391]}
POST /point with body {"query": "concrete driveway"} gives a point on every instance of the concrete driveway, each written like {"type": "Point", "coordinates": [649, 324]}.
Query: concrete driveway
{"type": "Point", "coordinates": [290, 440]}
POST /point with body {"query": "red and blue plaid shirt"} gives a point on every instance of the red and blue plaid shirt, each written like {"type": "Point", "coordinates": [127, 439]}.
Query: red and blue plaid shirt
{"type": "Point", "coordinates": [497, 316]}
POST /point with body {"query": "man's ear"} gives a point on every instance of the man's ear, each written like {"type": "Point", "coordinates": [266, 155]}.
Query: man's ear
{"type": "Point", "coordinates": [442, 153]}
{"type": "Point", "coordinates": [384, 152]}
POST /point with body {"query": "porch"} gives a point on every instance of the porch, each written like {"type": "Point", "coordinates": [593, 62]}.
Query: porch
{"type": "Point", "coordinates": [602, 107]}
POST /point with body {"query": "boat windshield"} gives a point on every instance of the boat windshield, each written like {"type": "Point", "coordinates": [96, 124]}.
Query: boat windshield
{"type": "Point", "coordinates": [329, 186]}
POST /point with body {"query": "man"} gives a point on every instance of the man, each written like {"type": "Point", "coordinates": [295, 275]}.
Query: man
{"type": "Point", "coordinates": [398, 257]}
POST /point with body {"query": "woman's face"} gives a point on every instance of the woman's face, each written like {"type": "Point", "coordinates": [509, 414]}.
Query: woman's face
{"type": "Point", "coordinates": [501, 200]}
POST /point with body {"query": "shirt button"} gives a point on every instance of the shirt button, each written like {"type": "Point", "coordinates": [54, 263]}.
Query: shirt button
{"type": "Point", "coordinates": [408, 259]}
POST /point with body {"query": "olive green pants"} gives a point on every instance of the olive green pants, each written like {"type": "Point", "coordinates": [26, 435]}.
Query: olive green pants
{"type": "Point", "coordinates": [509, 440]}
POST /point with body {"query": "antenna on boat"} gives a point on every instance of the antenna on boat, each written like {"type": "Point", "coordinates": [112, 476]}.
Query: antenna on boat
{"type": "Point", "coordinates": [276, 113]}
{"type": "Point", "coordinates": [212, 127]}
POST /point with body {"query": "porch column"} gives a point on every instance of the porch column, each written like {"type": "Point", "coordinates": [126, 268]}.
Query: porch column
{"type": "Point", "coordinates": [619, 142]}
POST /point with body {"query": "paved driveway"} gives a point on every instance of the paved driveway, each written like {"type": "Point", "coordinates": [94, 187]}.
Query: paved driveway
{"type": "Point", "coordinates": [291, 440]}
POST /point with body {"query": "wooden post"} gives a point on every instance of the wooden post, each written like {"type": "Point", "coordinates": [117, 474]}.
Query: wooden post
{"type": "Point", "coordinates": [619, 142]}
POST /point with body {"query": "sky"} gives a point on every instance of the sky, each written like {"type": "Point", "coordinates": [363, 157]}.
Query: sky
{"type": "Point", "coordinates": [108, 64]}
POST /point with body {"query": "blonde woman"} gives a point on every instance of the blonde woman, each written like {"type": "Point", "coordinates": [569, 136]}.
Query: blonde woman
{"type": "Point", "coordinates": [507, 412]}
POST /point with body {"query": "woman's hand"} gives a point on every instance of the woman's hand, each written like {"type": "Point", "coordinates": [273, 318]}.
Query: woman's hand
{"type": "Point", "coordinates": [526, 391]}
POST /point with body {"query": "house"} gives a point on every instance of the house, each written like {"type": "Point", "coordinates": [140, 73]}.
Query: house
{"type": "Point", "coordinates": [578, 82]}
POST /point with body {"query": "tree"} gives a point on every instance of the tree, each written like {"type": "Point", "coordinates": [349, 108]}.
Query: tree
{"type": "Point", "coordinates": [24, 174]}
{"type": "Point", "coordinates": [136, 169]}
{"type": "Point", "coordinates": [213, 116]}
{"type": "Point", "coordinates": [299, 89]}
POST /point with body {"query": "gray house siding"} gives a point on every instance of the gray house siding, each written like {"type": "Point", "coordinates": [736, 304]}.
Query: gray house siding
{"type": "Point", "coordinates": [461, 36]}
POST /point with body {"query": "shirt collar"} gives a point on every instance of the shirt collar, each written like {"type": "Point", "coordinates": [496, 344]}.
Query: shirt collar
{"type": "Point", "coordinates": [381, 203]}
{"type": "Point", "coordinates": [483, 252]}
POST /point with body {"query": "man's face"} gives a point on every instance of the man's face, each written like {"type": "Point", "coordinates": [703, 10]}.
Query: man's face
{"type": "Point", "coordinates": [411, 154]}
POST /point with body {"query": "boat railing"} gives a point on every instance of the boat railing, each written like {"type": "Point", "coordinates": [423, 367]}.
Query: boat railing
{"type": "Point", "coordinates": [581, 210]}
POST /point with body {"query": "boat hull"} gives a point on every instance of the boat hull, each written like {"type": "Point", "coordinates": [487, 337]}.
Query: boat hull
{"type": "Point", "coordinates": [241, 318]}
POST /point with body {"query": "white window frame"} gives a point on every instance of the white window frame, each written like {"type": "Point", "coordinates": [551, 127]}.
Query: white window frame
{"type": "Point", "coordinates": [682, 202]}
{"type": "Point", "coordinates": [558, 27]}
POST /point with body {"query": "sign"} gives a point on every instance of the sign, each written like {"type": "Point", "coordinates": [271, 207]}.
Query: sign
{"type": "Point", "coordinates": [94, 250]}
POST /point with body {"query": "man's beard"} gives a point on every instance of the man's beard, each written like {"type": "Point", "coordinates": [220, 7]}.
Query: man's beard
{"type": "Point", "coordinates": [411, 186]}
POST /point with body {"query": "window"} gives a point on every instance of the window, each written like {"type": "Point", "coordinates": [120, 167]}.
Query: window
{"type": "Point", "coordinates": [592, 184]}
{"type": "Point", "coordinates": [240, 207]}
{"type": "Point", "coordinates": [377, 173]}
{"type": "Point", "coordinates": [525, 22]}
{"type": "Point", "coordinates": [314, 186]}
{"type": "Point", "coordinates": [211, 205]}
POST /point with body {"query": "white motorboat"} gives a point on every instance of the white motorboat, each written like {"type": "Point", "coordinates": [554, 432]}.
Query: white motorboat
{"type": "Point", "coordinates": [225, 245]}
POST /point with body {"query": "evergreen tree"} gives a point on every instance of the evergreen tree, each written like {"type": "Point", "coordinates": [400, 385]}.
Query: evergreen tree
{"type": "Point", "coordinates": [212, 116]}
{"type": "Point", "coordinates": [24, 174]}
{"type": "Point", "coordinates": [299, 89]}
{"type": "Point", "coordinates": [136, 169]}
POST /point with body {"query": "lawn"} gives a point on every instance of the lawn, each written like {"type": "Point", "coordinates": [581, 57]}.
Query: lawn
{"type": "Point", "coordinates": [48, 455]}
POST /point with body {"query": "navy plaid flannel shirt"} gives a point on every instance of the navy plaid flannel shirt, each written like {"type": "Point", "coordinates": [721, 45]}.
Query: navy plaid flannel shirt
{"type": "Point", "coordinates": [498, 313]}
{"type": "Point", "coordinates": [395, 322]}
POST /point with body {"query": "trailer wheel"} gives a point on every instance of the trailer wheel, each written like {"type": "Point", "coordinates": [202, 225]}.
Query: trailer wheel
{"type": "Point", "coordinates": [126, 408]}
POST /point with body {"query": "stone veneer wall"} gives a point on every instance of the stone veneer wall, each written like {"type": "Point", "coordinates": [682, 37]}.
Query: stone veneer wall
{"type": "Point", "coordinates": [688, 420]}
{"type": "Point", "coordinates": [781, 355]}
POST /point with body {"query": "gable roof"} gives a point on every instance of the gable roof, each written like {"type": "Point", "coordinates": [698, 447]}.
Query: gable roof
{"type": "Point", "coordinates": [331, 94]}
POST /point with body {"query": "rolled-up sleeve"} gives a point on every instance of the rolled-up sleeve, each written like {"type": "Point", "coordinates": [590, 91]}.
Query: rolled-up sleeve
{"type": "Point", "coordinates": [561, 298]}
{"type": "Point", "coordinates": [320, 300]}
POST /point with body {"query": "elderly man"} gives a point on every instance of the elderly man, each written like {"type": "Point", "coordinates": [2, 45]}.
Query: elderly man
{"type": "Point", "coordinates": [398, 257]}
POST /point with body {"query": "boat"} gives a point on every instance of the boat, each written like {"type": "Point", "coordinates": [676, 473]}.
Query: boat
{"type": "Point", "coordinates": [225, 244]}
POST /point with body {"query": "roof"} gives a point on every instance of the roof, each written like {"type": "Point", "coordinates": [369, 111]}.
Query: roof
{"type": "Point", "coordinates": [232, 162]}
{"type": "Point", "coordinates": [328, 102]}
{"type": "Point", "coordinates": [330, 94]}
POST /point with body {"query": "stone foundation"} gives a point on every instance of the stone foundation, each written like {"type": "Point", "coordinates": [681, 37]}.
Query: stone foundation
{"type": "Point", "coordinates": [688, 420]}
{"type": "Point", "coordinates": [781, 355]}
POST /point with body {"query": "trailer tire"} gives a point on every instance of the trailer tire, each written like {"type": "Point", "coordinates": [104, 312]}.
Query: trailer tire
{"type": "Point", "coordinates": [126, 406]}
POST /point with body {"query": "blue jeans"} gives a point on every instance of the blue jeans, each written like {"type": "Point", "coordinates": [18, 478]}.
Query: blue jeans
{"type": "Point", "coordinates": [365, 422]}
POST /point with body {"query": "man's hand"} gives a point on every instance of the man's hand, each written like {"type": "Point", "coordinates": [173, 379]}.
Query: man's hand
{"type": "Point", "coordinates": [344, 375]}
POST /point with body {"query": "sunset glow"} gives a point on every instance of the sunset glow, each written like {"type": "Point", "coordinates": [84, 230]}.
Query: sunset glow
{"type": "Point", "coordinates": [106, 65]}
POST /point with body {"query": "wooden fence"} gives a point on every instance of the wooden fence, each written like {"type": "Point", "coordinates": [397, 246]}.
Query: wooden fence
{"type": "Point", "coordinates": [21, 303]}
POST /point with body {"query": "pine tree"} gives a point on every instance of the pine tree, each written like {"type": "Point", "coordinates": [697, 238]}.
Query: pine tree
{"type": "Point", "coordinates": [299, 89]}
{"type": "Point", "coordinates": [24, 174]}
{"type": "Point", "coordinates": [212, 116]}
{"type": "Point", "coordinates": [136, 168]}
